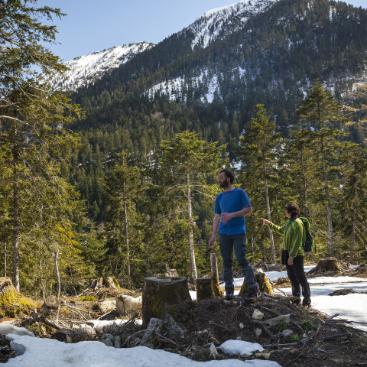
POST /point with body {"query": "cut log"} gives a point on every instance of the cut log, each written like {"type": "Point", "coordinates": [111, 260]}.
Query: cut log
{"type": "Point", "coordinates": [75, 335]}
{"type": "Point", "coordinates": [329, 264]}
{"type": "Point", "coordinates": [263, 282]}
{"type": "Point", "coordinates": [217, 292]}
{"type": "Point", "coordinates": [162, 296]}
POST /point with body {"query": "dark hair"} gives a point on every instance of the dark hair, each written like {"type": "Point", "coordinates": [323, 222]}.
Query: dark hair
{"type": "Point", "coordinates": [229, 174]}
{"type": "Point", "coordinates": [293, 209]}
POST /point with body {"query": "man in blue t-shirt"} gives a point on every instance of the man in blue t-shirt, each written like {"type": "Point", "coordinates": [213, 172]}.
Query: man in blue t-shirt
{"type": "Point", "coordinates": [231, 208]}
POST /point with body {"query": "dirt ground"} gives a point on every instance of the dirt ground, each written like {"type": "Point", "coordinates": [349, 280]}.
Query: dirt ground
{"type": "Point", "coordinates": [316, 340]}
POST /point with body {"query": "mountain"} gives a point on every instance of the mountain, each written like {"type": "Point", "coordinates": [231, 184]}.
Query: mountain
{"type": "Point", "coordinates": [209, 77]}
{"type": "Point", "coordinates": [272, 47]}
{"type": "Point", "coordinates": [219, 23]}
{"type": "Point", "coordinates": [85, 70]}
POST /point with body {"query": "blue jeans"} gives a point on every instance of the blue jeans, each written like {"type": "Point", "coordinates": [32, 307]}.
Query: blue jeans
{"type": "Point", "coordinates": [227, 243]}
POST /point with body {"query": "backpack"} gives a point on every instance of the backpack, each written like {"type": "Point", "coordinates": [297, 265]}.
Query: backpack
{"type": "Point", "coordinates": [308, 245]}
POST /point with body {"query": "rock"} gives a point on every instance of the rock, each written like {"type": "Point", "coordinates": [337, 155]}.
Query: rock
{"type": "Point", "coordinates": [257, 314]}
{"type": "Point", "coordinates": [127, 305]}
{"type": "Point", "coordinates": [342, 292]}
{"type": "Point", "coordinates": [283, 319]}
{"type": "Point", "coordinates": [109, 304]}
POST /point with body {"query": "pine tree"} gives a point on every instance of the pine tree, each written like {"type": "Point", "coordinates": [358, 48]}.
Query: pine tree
{"type": "Point", "coordinates": [188, 163]}
{"type": "Point", "coordinates": [259, 152]}
{"type": "Point", "coordinates": [125, 187]}
{"type": "Point", "coordinates": [322, 119]}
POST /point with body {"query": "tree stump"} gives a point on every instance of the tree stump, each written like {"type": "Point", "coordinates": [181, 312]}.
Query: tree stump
{"type": "Point", "coordinates": [204, 289]}
{"type": "Point", "coordinates": [162, 296]}
{"type": "Point", "coordinates": [263, 282]}
{"type": "Point", "coordinates": [329, 264]}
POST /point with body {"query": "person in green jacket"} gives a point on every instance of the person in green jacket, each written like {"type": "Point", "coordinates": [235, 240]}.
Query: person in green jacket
{"type": "Point", "coordinates": [293, 254]}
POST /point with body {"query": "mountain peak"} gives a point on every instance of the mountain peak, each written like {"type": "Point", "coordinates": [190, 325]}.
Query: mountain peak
{"type": "Point", "coordinates": [217, 23]}
{"type": "Point", "coordinates": [85, 70]}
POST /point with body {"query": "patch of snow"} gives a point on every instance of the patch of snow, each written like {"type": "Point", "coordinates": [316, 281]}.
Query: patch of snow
{"type": "Point", "coordinates": [351, 307]}
{"type": "Point", "coordinates": [85, 70]}
{"type": "Point", "coordinates": [240, 347]}
{"type": "Point", "coordinates": [47, 352]}
{"type": "Point", "coordinates": [176, 89]}
{"type": "Point", "coordinates": [193, 295]}
{"type": "Point", "coordinates": [220, 22]}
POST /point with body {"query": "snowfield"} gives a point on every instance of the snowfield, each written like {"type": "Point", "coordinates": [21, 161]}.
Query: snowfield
{"type": "Point", "coordinates": [52, 353]}
{"type": "Point", "coordinates": [85, 70]}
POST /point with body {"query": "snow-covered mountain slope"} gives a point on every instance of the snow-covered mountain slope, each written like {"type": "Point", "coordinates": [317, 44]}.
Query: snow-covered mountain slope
{"type": "Point", "coordinates": [85, 70]}
{"type": "Point", "coordinates": [235, 48]}
{"type": "Point", "coordinates": [220, 22]}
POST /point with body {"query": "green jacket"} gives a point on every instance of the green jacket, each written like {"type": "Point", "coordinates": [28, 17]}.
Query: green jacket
{"type": "Point", "coordinates": [294, 236]}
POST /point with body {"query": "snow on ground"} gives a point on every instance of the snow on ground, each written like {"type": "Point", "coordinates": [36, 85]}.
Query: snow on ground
{"type": "Point", "coordinates": [47, 352]}
{"type": "Point", "coordinates": [240, 347]}
{"type": "Point", "coordinates": [351, 307]}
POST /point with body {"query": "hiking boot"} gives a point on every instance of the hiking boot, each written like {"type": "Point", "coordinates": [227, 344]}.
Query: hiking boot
{"type": "Point", "coordinates": [229, 296]}
{"type": "Point", "coordinates": [306, 302]}
{"type": "Point", "coordinates": [296, 300]}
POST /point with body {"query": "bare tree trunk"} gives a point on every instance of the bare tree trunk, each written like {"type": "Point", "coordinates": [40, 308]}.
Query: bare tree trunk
{"type": "Point", "coordinates": [329, 214]}
{"type": "Point", "coordinates": [306, 209]}
{"type": "Point", "coordinates": [268, 210]}
{"type": "Point", "coordinates": [330, 230]}
{"type": "Point", "coordinates": [57, 273]}
{"type": "Point", "coordinates": [194, 272]}
{"type": "Point", "coordinates": [127, 242]}
{"type": "Point", "coordinates": [5, 260]}
{"type": "Point", "coordinates": [16, 221]}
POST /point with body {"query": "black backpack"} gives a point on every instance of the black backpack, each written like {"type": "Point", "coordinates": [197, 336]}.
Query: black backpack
{"type": "Point", "coordinates": [308, 245]}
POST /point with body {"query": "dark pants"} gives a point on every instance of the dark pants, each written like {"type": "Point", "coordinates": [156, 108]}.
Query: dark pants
{"type": "Point", "coordinates": [296, 274]}
{"type": "Point", "coordinates": [227, 243]}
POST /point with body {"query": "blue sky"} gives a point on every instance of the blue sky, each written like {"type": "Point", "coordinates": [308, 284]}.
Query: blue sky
{"type": "Point", "coordinates": [93, 25]}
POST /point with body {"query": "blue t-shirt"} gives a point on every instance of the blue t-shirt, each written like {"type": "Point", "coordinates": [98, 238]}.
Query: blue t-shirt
{"type": "Point", "coordinates": [230, 202]}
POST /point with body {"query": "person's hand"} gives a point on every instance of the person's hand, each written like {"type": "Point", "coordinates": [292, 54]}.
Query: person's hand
{"type": "Point", "coordinates": [265, 221]}
{"type": "Point", "coordinates": [226, 217]}
{"type": "Point", "coordinates": [211, 241]}
{"type": "Point", "coordinates": [290, 261]}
